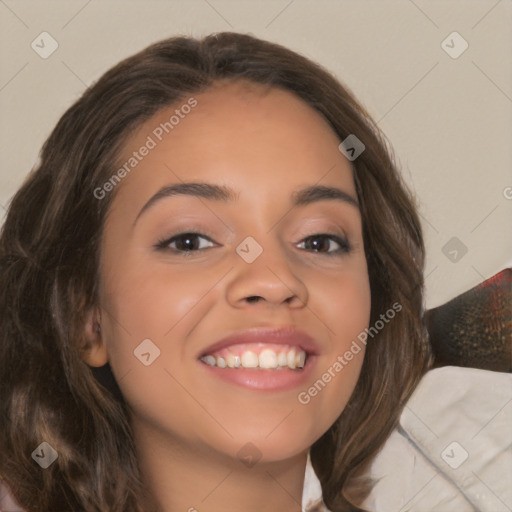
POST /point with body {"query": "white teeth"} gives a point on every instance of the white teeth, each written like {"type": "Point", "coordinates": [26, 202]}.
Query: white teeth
{"type": "Point", "coordinates": [282, 360]}
{"type": "Point", "coordinates": [210, 360]}
{"type": "Point", "coordinates": [233, 361]}
{"type": "Point", "coordinates": [268, 359]}
{"type": "Point", "coordinates": [291, 359]}
{"type": "Point", "coordinates": [249, 359]}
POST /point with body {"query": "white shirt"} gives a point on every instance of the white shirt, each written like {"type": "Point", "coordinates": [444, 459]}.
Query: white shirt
{"type": "Point", "coordinates": [451, 451]}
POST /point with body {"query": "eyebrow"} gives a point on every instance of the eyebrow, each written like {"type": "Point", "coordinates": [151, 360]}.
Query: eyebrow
{"type": "Point", "coordinates": [302, 197]}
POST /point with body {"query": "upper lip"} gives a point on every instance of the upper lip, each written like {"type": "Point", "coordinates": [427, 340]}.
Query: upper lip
{"type": "Point", "coordinates": [288, 335]}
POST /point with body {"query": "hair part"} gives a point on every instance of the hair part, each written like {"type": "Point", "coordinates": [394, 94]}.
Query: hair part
{"type": "Point", "coordinates": [50, 247]}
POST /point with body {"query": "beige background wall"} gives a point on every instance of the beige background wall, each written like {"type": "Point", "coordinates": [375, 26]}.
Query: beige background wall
{"type": "Point", "coordinates": [449, 119]}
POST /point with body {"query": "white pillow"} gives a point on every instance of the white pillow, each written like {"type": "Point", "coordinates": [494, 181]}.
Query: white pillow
{"type": "Point", "coordinates": [451, 451]}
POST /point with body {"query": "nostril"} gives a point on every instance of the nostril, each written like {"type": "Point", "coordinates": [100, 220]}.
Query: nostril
{"type": "Point", "coordinates": [254, 298]}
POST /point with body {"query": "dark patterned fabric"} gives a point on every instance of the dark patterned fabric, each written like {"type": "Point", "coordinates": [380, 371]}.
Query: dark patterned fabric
{"type": "Point", "coordinates": [475, 328]}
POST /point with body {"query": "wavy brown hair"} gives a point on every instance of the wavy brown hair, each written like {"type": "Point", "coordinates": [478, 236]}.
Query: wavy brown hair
{"type": "Point", "coordinates": [49, 260]}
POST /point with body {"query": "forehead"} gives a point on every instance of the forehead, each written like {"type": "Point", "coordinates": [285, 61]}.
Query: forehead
{"type": "Point", "coordinates": [242, 134]}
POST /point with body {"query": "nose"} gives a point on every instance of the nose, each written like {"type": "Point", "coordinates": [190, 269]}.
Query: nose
{"type": "Point", "coordinates": [268, 280]}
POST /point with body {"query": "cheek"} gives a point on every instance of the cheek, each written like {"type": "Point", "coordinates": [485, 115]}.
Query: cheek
{"type": "Point", "coordinates": [148, 311]}
{"type": "Point", "coordinates": [343, 302]}
{"type": "Point", "coordinates": [344, 306]}
{"type": "Point", "coordinates": [150, 300]}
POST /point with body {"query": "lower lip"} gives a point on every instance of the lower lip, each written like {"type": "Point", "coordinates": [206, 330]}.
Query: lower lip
{"type": "Point", "coordinates": [264, 380]}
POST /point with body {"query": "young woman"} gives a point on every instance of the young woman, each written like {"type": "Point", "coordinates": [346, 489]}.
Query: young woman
{"type": "Point", "coordinates": [218, 226]}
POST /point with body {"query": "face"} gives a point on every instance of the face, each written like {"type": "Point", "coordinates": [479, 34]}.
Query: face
{"type": "Point", "coordinates": [180, 272]}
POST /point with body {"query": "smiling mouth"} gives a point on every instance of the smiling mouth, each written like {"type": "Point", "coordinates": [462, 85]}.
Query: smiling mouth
{"type": "Point", "coordinates": [258, 357]}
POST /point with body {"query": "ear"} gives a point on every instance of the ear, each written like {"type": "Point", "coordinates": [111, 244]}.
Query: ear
{"type": "Point", "coordinates": [94, 353]}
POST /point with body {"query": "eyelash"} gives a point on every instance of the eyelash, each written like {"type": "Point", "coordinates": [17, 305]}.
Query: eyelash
{"type": "Point", "coordinates": [163, 245]}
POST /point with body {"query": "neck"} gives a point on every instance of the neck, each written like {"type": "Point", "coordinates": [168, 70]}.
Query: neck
{"type": "Point", "coordinates": [195, 478]}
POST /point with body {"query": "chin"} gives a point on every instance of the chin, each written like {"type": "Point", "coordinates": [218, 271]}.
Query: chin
{"type": "Point", "coordinates": [278, 446]}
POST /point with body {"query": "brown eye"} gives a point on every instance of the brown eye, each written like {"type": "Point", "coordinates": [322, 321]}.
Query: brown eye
{"type": "Point", "coordinates": [185, 242]}
{"type": "Point", "coordinates": [322, 243]}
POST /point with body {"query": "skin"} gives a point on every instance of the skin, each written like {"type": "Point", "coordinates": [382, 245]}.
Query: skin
{"type": "Point", "coordinates": [264, 143]}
